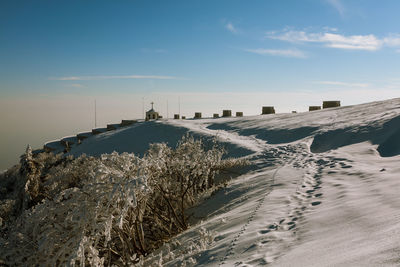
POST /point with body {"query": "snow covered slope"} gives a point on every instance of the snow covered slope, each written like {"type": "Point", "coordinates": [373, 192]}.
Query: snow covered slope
{"type": "Point", "coordinates": [323, 190]}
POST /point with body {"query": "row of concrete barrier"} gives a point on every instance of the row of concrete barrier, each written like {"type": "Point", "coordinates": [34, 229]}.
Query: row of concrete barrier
{"type": "Point", "coordinates": [65, 144]}
{"type": "Point", "coordinates": [325, 104]}
{"type": "Point", "coordinates": [225, 113]}
{"type": "Point", "coordinates": [265, 110]}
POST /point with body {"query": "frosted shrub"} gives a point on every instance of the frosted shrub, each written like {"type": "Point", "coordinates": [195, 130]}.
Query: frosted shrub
{"type": "Point", "coordinates": [178, 177]}
{"type": "Point", "coordinates": [110, 210]}
{"type": "Point", "coordinates": [84, 224]}
{"type": "Point", "coordinates": [21, 187]}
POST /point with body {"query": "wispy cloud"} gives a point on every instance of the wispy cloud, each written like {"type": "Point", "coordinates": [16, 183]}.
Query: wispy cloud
{"type": "Point", "coordinates": [103, 77]}
{"type": "Point", "coordinates": [346, 84]}
{"type": "Point", "coordinates": [358, 42]}
{"type": "Point", "coordinates": [338, 5]}
{"type": "Point", "coordinates": [330, 38]}
{"type": "Point", "coordinates": [278, 52]}
{"type": "Point", "coordinates": [230, 27]}
{"type": "Point", "coordinates": [334, 40]}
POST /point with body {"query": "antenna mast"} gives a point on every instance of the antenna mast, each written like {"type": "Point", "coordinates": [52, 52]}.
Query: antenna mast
{"type": "Point", "coordinates": [143, 108]}
{"type": "Point", "coordinates": [95, 114]}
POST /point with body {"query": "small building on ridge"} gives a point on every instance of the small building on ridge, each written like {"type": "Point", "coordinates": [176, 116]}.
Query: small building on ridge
{"type": "Point", "coordinates": [152, 114]}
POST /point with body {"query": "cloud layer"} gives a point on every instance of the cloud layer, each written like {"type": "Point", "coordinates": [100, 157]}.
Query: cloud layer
{"type": "Point", "coordinates": [345, 84]}
{"type": "Point", "coordinates": [102, 77]}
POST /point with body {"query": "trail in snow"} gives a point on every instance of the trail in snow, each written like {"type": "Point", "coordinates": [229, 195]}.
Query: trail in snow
{"type": "Point", "coordinates": [310, 183]}
{"type": "Point", "coordinates": [258, 146]}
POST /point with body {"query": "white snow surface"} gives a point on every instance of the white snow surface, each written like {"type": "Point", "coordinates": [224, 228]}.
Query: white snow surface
{"type": "Point", "coordinates": [323, 188]}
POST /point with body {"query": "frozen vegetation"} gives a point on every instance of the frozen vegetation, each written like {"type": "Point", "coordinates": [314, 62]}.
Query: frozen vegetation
{"type": "Point", "coordinates": [113, 209]}
{"type": "Point", "coordinates": [318, 188]}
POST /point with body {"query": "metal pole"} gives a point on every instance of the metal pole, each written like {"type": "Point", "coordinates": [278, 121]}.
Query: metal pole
{"type": "Point", "coordinates": [95, 114]}
{"type": "Point", "coordinates": [143, 108]}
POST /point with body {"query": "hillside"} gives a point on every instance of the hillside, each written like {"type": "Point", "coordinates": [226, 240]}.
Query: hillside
{"type": "Point", "coordinates": [322, 188]}
{"type": "Point", "coordinates": [324, 191]}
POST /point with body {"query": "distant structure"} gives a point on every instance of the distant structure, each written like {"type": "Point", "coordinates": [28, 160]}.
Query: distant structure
{"type": "Point", "coordinates": [82, 136]}
{"type": "Point", "coordinates": [312, 108]}
{"type": "Point", "coordinates": [330, 104]}
{"type": "Point", "coordinates": [98, 130]}
{"type": "Point", "coordinates": [226, 113]}
{"type": "Point", "coordinates": [239, 114]}
{"type": "Point", "coordinates": [112, 127]}
{"type": "Point", "coordinates": [53, 146]}
{"type": "Point", "coordinates": [268, 110]}
{"type": "Point", "coordinates": [215, 115]}
{"type": "Point", "coordinates": [176, 116]}
{"type": "Point", "coordinates": [197, 115]}
{"type": "Point", "coordinates": [294, 111]}
{"type": "Point", "coordinates": [127, 122]}
{"type": "Point", "coordinates": [152, 114]}
{"type": "Point", "coordinates": [183, 117]}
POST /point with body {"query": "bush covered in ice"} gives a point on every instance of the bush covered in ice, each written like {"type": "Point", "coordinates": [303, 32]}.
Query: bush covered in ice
{"type": "Point", "coordinates": [114, 209]}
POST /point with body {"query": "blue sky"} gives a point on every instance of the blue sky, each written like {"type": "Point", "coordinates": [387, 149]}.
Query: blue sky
{"type": "Point", "coordinates": [106, 47]}
{"type": "Point", "coordinates": [56, 57]}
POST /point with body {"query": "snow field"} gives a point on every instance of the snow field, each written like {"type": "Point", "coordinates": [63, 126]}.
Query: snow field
{"type": "Point", "coordinates": [322, 188]}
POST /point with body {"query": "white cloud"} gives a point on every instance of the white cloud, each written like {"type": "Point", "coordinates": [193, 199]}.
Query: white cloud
{"type": "Point", "coordinates": [278, 52]}
{"type": "Point", "coordinates": [359, 42]}
{"type": "Point", "coordinates": [334, 40]}
{"type": "Point", "coordinates": [346, 84]}
{"type": "Point", "coordinates": [338, 5]}
{"type": "Point", "coordinates": [89, 78]}
{"type": "Point", "coordinates": [229, 26]}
